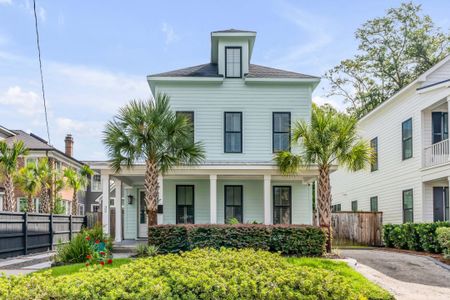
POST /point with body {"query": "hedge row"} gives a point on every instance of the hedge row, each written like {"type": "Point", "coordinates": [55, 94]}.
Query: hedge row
{"type": "Point", "coordinates": [288, 239]}
{"type": "Point", "coordinates": [413, 236]}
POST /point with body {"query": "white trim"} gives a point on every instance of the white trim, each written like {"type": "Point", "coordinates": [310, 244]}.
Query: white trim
{"type": "Point", "coordinates": [185, 78]}
{"type": "Point", "coordinates": [92, 183]}
{"type": "Point", "coordinates": [287, 80]}
{"type": "Point", "coordinates": [434, 87]}
{"type": "Point", "coordinates": [98, 205]}
{"type": "Point", "coordinates": [424, 76]}
{"type": "Point", "coordinates": [238, 34]}
{"type": "Point", "coordinates": [81, 210]}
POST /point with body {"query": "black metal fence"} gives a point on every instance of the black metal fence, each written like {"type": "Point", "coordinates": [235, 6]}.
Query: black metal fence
{"type": "Point", "coordinates": [25, 233]}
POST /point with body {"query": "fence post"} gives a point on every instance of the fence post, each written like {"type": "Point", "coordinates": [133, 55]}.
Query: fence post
{"type": "Point", "coordinates": [51, 231]}
{"type": "Point", "coordinates": [70, 228]}
{"type": "Point", "coordinates": [25, 233]}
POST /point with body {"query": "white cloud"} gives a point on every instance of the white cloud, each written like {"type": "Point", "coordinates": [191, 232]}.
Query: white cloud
{"type": "Point", "coordinates": [26, 103]}
{"type": "Point", "coordinates": [169, 33]}
{"type": "Point", "coordinates": [27, 5]}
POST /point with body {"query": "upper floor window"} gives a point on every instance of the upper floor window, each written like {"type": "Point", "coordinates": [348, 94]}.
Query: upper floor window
{"type": "Point", "coordinates": [407, 141]}
{"type": "Point", "coordinates": [281, 134]}
{"type": "Point", "coordinates": [233, 62]}
{"type": "Point", "coordinates": [233, 132]}
{"type": "Point", "coordinates": [355, 205]}
{"type": "Point", "coordinates": [374, 146]}
{"type": "Point", "coordinates": [440, 126]}
{"type": "Point", "coordinates": [96, 183]}
{"type": "Point", "coordinates": [408, 213]}
{"type": "Point", "coordinates": [189, 115]}
{"type": "Point", "coordinates": [374, 203]}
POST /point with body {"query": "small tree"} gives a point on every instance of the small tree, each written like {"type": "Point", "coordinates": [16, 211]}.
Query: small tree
{"type": "Point", "coordinates": [329, 139]}
{"type": "Point", "coordinates": [29, 182]}
{"type": "Point", "coordinates": [45, 174]}
{"type": "Point", "coordinates": [77, 181]}
{"type": "Point", "coordinates": [8, 166]}
{"type": "Point", "coordinates": [152, 132]}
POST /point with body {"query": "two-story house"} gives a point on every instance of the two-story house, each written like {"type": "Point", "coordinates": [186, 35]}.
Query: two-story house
{"type": "Point", "coordinates": [58, 160]}
{"type": "Point", "coordinates": [409, 180]}
{"type": "Point", "coordinates": [243, 114]}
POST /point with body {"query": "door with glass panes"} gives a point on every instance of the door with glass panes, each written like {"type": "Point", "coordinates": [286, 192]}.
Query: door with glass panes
{"type": "Point", "coordinates": [142, 216]}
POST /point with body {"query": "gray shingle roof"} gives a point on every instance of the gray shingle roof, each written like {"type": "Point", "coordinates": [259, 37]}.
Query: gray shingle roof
{"type": "Point", "coordinates": [255, 71]}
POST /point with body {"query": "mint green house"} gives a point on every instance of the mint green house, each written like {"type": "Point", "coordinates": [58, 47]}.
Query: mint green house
{"type": "Point", "coordinates": [243, 115]}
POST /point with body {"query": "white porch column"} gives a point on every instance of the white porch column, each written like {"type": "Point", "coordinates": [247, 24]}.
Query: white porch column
{"type": "Point", "coordinates": [118, 206]}
{"type": "Point", "coordinates": [105, 203]}
{"type": "Point", "coordinates": [160, 217]}
{"type": "Point", "coordinates": [267, 206]}
{"type": "Point", "coordinates": [213, 198]}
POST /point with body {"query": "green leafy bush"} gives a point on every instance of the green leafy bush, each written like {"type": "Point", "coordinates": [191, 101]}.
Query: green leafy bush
{"type": "Point", "coordinates": [443, 236]}
{"type": "Point", "coordinates": [88, 245]}
{"type": "Point", "coordinates": [198, 274]}
{"type": "Point", "coordinates": [287, 239]}
{"type": "Point", "coordinates": [144, 250]}
{"type": "Point", "coordinates": [413, 236]}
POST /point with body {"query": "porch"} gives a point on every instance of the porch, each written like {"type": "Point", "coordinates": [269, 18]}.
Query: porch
{"type": "Point", "coordinates": [436, 200]}
{"type": "Point", "coordinates": [210, 195]}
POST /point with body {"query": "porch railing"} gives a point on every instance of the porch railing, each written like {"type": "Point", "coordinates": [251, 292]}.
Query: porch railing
{"type": "Point", "coordinates": [436, 154]}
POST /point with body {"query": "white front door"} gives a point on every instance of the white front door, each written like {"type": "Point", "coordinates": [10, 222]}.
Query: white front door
{"type": "Point", "coordinates": [142, 216]}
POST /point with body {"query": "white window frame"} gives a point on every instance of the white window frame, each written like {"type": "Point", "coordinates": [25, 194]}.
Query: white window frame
{"type": "Point", "coordinates": [93, 187]}
{"type": "Point", "coordinates": [93, 205]}
{"type": "Point", "coordinates": [2, 197]}
{"type": "Point", "coordinates": [81, 211]}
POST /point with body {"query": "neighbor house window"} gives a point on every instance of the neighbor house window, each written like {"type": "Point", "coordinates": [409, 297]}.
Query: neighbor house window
{"type": "Point", "coordinates": [281, 131]}
{"type": "Point", "coordinates": [355, 205]}
{"type": "Point", "coordinates": [336, 208]}
{"type": "Point", "coordinates": [233, 132]}
{"type": "Point", "coordinates": [408, 214]}
{"type": "Point", "coordinates": [1, 201]}
{"type": "Point", "coordinates": [95, 208]}
{"type": "Point", "coordinates": [439, 126]}
{"type": "Point", "coordinates": [233, 203]}
{"type": "Point", "coordinates": [96, 183]}
{"type": "Point", "coordinates": [233, 64]}
{"type": "Point", "coordinates": [407, 141]}
{"type": "Point", "coordinates": [374, 146]}
{"type": "Point", "coordinates": [185, 204]}
{"type": "Point", "coordinates": [374, 203]}
{"type": "Point", "coordinates": [282, 202]}
{"type": "Point", "coordinates": [31, 160]}
{"type": "Point", "coordinates": [81, 209]}
{"type": "Point", "coordinates": [189, 115]}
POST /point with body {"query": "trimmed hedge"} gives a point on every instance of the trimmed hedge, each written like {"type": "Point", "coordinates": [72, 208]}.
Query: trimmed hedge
{"type": "Point", "coordinates": [288, 239]}
{"type": "Point", "coordinates": [198, 274]}
{"type": "Point", "coordinates": [413, 236]}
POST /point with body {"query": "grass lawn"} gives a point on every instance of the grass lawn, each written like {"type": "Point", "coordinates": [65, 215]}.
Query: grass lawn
{"type": "Point", "coordinates": [357, 281]}
{"type": "Point", "coordinates": [73, 268]}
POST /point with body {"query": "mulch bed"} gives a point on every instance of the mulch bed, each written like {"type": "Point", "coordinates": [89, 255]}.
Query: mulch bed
{"type": "Point", "coordinates": [436, 256]}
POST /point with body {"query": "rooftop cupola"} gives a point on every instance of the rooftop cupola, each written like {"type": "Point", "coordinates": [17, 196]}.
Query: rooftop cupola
{"type": "Point", "coordinates": [231, 50]}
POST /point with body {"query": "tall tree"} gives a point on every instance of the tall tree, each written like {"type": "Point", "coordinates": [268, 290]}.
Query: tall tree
{"type": "Point", "coordinates": [8, 166]}
{"type": "Point", "coordinates": [45, 174]}
{"type": "Point", "coordinates": [150, 131]}
{"type": "Point", "coordinates": [393, 51]}
{"type": "Point", "coordinates": [77, 181]}
{"type": "Point", "coordinates": [329, 139]}
{"type": "Point", "coordinates": [29, 181]}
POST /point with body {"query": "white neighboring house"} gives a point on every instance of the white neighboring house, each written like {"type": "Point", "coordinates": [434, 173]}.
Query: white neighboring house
{"type": "Point", "coordinates": [410, 179]}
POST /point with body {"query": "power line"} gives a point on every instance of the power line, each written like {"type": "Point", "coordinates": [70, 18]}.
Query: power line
{"type": "Point", "coordinates": [40, 69]}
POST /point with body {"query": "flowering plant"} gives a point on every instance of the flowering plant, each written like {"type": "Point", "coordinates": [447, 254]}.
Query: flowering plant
{"type": "Point", "coordinates": [99, 253]}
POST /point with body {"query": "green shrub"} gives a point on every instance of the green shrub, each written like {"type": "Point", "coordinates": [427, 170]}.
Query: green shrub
{"type": "Point", "coordinates": [198, 274]}
{"type": "Point", "coordinates": [413, 236]}
{"type": "Point", "coordinates": [443, 236]}
{"type": "Point", "coordinates": [144, 250]}
{"type": "Point", "coordinates": [287, 239]}
{"type": "Point", "coordinates": [88, 245]}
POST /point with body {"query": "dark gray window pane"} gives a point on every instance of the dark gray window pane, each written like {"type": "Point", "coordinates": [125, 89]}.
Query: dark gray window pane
{"type": "Point", "coordinates": [281, 122]}
{"type": "Point", "coordinates": [233, 122]}
{"type": "Point", "coordinates": [280, 142]}
{"type": "Point", "coordinates": [282, 215]}
{"type": "Point", "coordinates": [233, 142]}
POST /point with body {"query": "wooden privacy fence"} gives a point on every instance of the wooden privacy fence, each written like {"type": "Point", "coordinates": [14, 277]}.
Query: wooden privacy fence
{"type": "Point", "coordinates": [24, 233]}
{"type": "Point", "coordinates": [357, 228]}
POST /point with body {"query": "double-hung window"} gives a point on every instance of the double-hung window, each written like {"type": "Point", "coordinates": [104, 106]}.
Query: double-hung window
{"type": "Point", "coordinates": [233, 62]}
{"type": "Point", "coordinates": [233, 203]}
{"type": "Point", "coordinates": [374, 146]}
{"type": "Point", "coordinates": [374, 203]}
{"type": "Point", "coordinates": [408, 211]}
{"type": "Point", "coordinates": [185, 204]}
{"type": "Point", "coordinates": [233, 132]}
{"type": "Point", "coordinates": [355, 205]}
{"type": "Point", "coordinates": [96, 183]}
{"type": "Point", "coordinates": [407, 140]}
{"type": "Point", "coordinates": [440, 126]}
{"type": "Point", "coordinates": [281, 131]}
{"type": "Point", "coordinates": [282, 202]}
{"type": "Point", "coordinates": [189, 115]}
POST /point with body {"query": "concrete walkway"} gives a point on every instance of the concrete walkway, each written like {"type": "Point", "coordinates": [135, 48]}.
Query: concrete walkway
{"type": "Point", "coordinates": [26, 264]}
{"type": "Point", "coordinates": [406, 276]}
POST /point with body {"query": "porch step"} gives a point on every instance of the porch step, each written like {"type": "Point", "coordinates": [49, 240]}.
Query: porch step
{"type": "Point", "coordinates": [127, 246]}
{"type": "Point", "coordinates": [26, 260]}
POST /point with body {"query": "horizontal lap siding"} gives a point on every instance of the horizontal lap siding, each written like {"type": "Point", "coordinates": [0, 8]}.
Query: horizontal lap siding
{"type": "Point", "coordinates": [301, 201]}
{"type": "Point", "coordinates": [130, 214]}
{"type": "Point", "coordinates": [256, 102]}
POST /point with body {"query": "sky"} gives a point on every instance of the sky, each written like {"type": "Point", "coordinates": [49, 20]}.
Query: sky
{"type": "Point", "coordinates": [96, 54]}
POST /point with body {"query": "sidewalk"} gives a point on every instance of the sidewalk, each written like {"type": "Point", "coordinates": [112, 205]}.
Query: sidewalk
{"type": "Point", "coordinates": [26, 264]}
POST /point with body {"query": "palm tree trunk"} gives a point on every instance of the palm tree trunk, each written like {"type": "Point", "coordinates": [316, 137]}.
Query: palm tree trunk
{"type": "Point", "coordinates": [10, 200]}
{"type": "Point", "coordinates": [74, 203]}
{"type": "Point", "coordinates": [44, 197]}
{"type": "Point", "coordinates": [30, 206]}
{"type": "Point", "coordinates": [324, 202]}
{"type": "Point", "coordinates": [151, 191]}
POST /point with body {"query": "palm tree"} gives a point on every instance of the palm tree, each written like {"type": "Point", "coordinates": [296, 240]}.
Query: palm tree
{"type": "Point", "coordinates": [77, 181]}
{"type": "Point", "coordinates": [59, 183]}
{"type": "Point", "coordinates": [46, 175]}
{"type": "Point", "coordinates": [329, 139]}
{"type": "Point", "coordinates": [29, 182]}
{"type": "Point", "coordinates": [151, 132]}
{"type": "Point", "coordinates": [8, 165]}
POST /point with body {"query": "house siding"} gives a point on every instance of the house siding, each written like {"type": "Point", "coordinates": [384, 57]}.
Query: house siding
{"type": "Point", "coordinates": [257, 102]}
